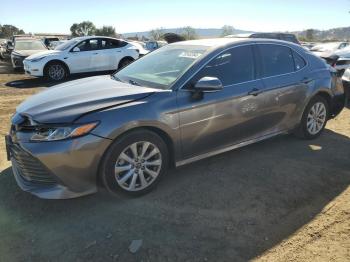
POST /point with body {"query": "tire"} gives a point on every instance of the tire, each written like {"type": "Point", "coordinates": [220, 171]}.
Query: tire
{"type": "Point", "coordinates": [56, 71]}
{"type": "Point", "coordinates": [125, 62]}
{"type": "Point", "coordinates": [130, 175]}
{"type": "Point", "coordinates": [312, 127]}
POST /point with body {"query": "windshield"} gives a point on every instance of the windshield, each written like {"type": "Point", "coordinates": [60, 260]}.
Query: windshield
{"type": "Point", "coordinates": [163, 67]}
{"type": "Point", "coordinates": [67, 45]}
{"type": "Point", "coordinates": [30, 45]}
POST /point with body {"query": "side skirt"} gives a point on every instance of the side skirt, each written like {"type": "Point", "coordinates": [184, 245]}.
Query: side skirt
{"type": "Point", "coordinates": [226, 149]}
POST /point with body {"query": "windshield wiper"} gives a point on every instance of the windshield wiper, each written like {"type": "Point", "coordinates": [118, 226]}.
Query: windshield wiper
{"type": "Point", "coordinates": [116, 78]}
{"type": "Point", "coordinates": [134, 83]}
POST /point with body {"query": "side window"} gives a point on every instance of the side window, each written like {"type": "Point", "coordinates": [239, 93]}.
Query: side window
{"type": "Point", "coordinates": [116, 43]}
{"type": "Point", "coordinates": [298, 61]}
{"type": "Point", "coordinates": [93, 44]}
{"type": "Point", "coordinates": [104, 43]}
{"type": "Point", "coordinates": [276, 60]}
{"type": "Point", "coordinates": [232, 67]}
{"type": "Point", "coordinates": [88, 45]}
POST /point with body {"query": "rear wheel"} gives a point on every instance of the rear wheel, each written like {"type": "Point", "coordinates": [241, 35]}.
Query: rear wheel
{"type": "Point", "coordinates": [56, 71]}
{"type": "Point", "coordinates": [135, 163]}
{"type": "Point", "coordinates": [314, 118]}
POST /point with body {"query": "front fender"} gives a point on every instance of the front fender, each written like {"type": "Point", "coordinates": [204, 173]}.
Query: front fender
{"type": "Point", "coordinates": [158, 111]}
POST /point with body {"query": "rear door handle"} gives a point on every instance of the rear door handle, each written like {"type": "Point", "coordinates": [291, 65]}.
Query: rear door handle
{"type": "Point", "coordinates": [255, 92]}
{"type": "Point", "coordinates": [95, 53]}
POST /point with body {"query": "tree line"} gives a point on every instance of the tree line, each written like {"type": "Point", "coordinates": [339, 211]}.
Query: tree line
{"type": "Point", "coordinates": [86, 28]}
{"type": "Point", "coordinates": [7, 31]}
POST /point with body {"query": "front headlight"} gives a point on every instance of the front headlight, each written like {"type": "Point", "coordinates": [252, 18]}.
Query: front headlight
{"type": "Point", "coordinates": [36, 59]}
{"type": "Point", "coordinates": [60, 133]}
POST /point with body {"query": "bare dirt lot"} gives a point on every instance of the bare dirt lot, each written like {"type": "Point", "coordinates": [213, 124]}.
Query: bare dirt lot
{"type": "Point", "coordinates": [283, 199]}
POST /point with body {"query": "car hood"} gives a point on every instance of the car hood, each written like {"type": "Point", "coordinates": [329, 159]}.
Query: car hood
{"type": "Point", "coordinates": [27, 52]}
{"type": "Point", "coordinates": [66, 102]}
{"type": "Point", "coordinates": [43, 54]}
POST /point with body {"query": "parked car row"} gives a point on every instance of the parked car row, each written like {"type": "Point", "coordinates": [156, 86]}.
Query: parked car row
{"type": "Point", "coordinates": [80, 55]}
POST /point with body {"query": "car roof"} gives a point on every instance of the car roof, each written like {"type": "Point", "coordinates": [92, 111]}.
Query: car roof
{"type": "Point", "coordinates": [93, 36]}
{"type": "Point", "coordinates": [222, 42]}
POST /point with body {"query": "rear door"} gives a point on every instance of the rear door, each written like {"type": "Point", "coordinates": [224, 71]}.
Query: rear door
{"type": "Point", "coordinates": [115, 50]}
{"type": "Point", "coordinates": [283, 72]}
{"type": "Point", "coordinates": [103, 58]}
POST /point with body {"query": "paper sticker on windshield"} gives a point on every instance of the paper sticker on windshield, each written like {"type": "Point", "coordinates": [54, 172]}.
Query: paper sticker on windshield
{"type": "Point", "coordinates": [192, 55]}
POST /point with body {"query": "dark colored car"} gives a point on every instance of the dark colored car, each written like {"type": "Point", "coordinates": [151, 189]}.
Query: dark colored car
{"type": "Point", "coordinates": [278, 36]}
{"type": "Point", "coordinates": [181, 103]}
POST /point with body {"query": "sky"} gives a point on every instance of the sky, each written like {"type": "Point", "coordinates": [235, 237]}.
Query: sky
{"type": "Point", "coordinates": [136, 15]}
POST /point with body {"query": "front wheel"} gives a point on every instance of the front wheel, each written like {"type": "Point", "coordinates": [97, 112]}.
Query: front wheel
{"type": "Point", "coordinates": [314, 118]}
{"type": "Point", "coordinates": [56, 72]}
{"type": "Point", "coordinates": [135, 163]}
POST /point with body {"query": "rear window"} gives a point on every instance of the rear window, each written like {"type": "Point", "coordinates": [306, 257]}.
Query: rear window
{"type": "Point", "coordinates": [276, 60]}
{"type": "Point", "coordinates": [298, 61]}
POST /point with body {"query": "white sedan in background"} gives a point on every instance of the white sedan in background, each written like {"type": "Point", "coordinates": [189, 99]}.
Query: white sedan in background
{"type": "Point", "coordinates": [80, 55]}
{"type": "Point", "coordinates": [327, 48]}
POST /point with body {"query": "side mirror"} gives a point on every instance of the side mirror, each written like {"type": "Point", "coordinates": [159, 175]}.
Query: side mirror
{"type": "Point", "coordinates": [208, 84]}
{"type": "Point", "coordinates": [76, 49]}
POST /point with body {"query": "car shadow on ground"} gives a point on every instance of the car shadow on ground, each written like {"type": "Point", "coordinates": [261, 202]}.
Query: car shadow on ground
{"type": "Point", "coordinates": [231, 207]}
{"type": "Point", "coordinates": [33, 82]}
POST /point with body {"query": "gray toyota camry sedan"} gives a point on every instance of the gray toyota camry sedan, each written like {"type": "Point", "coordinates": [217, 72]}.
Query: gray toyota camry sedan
{"type": "Point", "coordinates": [181, 103]}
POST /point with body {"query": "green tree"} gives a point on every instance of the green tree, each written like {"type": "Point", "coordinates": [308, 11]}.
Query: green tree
{"type": "Point", "coordinates": [156, 34]}
{"type": "Point", "coordinates": [83, 28]}
{"type": "Point", "coordinates": [189, 33]}
{"type": "Point", "coordinates": [7, 31]}
{"type": "Point", "coordinates": [106, 31]}
{"type": "Point", "coordinates": [310, 34]}
{"type": "Point", "coordinates": [227, 30]}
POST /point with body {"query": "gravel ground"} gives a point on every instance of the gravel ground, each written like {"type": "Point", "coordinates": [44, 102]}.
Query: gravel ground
{"type": "Point", "coordinates": [283, 199]}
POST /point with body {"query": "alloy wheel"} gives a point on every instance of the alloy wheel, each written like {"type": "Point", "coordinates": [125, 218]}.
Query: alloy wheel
{"type": "Point", "coordinates": [316, 118]}
{"type": "Point", "coordinates": [56, 72]}
{"type": "Point", "coordinates": [138, 166]}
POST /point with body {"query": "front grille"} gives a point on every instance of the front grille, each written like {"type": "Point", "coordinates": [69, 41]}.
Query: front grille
{"type": "Point", "coordinates": [30, 169]}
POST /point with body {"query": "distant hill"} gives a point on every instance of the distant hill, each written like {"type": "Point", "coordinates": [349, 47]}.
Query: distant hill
{"type": "Point", "coordinates": [341, 33]}
{"type": "Point", "coordinates": [201, 32]}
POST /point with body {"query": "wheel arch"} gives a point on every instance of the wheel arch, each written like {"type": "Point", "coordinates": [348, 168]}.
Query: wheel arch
{"type": "Point", "coordinates": [161, 133]}
{"type": "Point", "coordinates": [56, 61]}
{"type": "Point", "coordinates": [125, 58]}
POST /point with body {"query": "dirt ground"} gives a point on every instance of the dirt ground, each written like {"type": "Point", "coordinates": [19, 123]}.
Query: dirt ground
{"type": "Point", "coordinates": [283, 199]}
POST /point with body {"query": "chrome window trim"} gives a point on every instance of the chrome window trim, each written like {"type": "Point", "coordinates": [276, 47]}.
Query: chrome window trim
{"type": "Point", "coordinates": [257, 79]}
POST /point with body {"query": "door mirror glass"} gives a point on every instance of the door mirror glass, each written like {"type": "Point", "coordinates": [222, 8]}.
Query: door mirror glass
{"type": "Point", "coordinates": [76, 49]}
{"type": "Point", "coordinates": [208, 84]}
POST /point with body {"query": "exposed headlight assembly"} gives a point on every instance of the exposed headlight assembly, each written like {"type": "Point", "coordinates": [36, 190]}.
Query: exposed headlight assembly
{"type": "Point", "coordinates": [61, 133]}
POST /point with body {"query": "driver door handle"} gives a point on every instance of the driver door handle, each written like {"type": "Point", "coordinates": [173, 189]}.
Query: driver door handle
{"type": "Point", "coordinates": [95, 53]}
{"type": "Point", "coordinates": [255, 92]}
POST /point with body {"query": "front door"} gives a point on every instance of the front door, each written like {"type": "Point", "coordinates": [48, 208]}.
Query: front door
{"type": "Point", "coordinates": [225, 117]}
{"type": "Point", "coordinates": [86, 59]}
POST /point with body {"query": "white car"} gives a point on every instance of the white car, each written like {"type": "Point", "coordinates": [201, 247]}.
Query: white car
{"type": "Point", "coordinates": [140, 46]}
{"type": "Point", "coordinates": [325, 49]}
{"type": "Point", "coordinates": [80, 55]}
